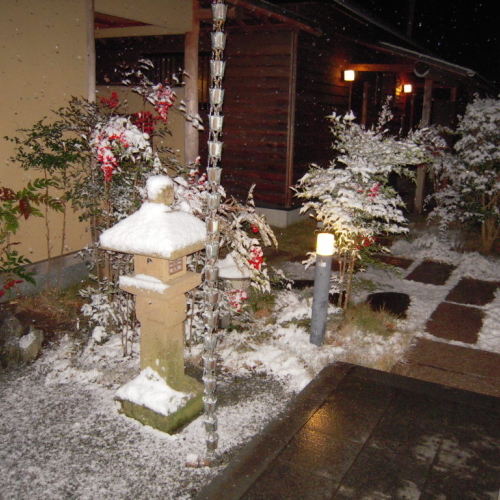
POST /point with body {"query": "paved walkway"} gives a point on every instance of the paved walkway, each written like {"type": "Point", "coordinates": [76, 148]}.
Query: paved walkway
{"type": "Point", "coordinates": [427, 431]}
{"type": "Point", "coordinates": [358, 433]}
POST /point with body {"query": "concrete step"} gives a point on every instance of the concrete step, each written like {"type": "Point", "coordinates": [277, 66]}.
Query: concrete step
{"type": "Point", "coordinates": [453, 366]}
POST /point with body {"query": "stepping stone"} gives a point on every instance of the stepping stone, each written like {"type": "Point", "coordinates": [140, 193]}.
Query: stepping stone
{"type": "Point", "coordinates": [475, 292]}
{"type": "Point", "coordinates": [453, 366]}
{"type": "Point", "coordinates": [456, 322]}
{"type": "Point", "coordinates": [395, 261]}
{"type": "Point", "coordinates": [432, 273]}
{"type": "Point", "coordinates": [301, 284]}
{"type": "Point", "coordinates": [392, 302]}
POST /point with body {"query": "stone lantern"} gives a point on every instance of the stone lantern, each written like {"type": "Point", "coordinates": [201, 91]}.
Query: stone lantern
{"type": "Point", "coordinates": [160, 240]}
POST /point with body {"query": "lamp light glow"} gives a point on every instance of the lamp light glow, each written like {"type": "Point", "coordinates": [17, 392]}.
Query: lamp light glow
{"type": "Point", "coordinates": [407, 88]}
{"type": "Point", "coordinates": [349, 75]}
{"type": "Point", "coordinates": [325, 244]}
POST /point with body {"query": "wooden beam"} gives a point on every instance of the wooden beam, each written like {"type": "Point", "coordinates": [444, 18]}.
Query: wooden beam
{"type": "Point", "coordinates": [421, 170]}
{"type": "Point", "coordinates": [427, 105]}
{"type": "Point", "coordinates": [91, 57]}
{"type": "Point", "coordinates": [277, 13]}
{"type": "Point", "coordinates": [191, 51]}
{"type": "Point", "coordinates": [382, 68]}
{"type": "Point", "coordinates": [206, 14]}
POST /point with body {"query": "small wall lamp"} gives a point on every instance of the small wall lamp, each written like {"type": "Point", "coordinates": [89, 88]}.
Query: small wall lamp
{"type": "Point", "coordinates": [407, 88]}
{"type": "Point", "coordinates": [349, 75]}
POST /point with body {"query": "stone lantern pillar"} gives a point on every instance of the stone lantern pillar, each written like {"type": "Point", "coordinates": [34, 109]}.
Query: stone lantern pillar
{"type": "Point", "coordinates": [160, 240]}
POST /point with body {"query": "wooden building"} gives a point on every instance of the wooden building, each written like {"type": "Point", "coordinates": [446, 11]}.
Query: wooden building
{"type": "Point", "coordinates": [285, 75]}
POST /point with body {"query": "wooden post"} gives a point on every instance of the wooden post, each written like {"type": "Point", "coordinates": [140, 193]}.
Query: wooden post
{"type": "Point", "coordinates": [421, 170]}
{"type": "Point", "coordinates": [427, 106]}
{"type": "Point", "coordinates": [90, 51]}
{"type": "Point", "coordinates": [191, 56]}
{"type": "Point", "coordinates": [364, 109]}
{"type": "Point", "coordinates": [292, 94]}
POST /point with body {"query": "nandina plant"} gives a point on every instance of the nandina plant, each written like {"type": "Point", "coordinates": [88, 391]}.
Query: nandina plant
{"type": "Point", "coordinates": [468, 176]}
{"type": "Point", "coordinates": [16, 206]}
{"type": "Point", "coordinates": [352, 197]}
{"type": "Point", "coordinates": [99, 157]}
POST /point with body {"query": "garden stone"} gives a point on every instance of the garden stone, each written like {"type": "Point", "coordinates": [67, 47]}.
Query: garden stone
{"type": "Point", "coordinates": [393, 302]}
{"type": "Point", "coordinates": [18, 343]}
{"type": "Point", "coordinates": [31, 345]}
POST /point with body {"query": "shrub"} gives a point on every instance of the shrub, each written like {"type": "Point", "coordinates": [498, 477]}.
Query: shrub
{"type": "Point", "coordinates": [352, 197]}
{"type": "Point", "coordinates": [468, 177]}
{"type": "Point", "coordinates": [14, 207]}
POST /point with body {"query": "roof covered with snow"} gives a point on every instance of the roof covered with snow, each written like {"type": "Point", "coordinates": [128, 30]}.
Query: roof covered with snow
{"type": "Point", "coordinates": [157, 231]}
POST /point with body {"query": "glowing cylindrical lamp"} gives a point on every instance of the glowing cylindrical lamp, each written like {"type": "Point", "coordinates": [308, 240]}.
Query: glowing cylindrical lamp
{"type": "Point", "coordinates": [325, 244]}
{"type": "Point", "coordinates": [325, 247]}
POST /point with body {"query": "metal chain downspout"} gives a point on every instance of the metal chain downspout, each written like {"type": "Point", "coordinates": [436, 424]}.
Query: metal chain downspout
{"type": "Point", "coordinates": [214, 170]}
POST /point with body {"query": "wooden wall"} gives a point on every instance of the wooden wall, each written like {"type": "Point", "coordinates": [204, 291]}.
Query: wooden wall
{"type": "Point", "coordinates": [256, 112]}
{"type": "Point", "coordinates": [320, 92]}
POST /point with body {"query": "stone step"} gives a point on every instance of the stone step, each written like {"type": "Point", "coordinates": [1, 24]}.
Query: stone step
{"type": "Point", "coordinates": [453, 366]}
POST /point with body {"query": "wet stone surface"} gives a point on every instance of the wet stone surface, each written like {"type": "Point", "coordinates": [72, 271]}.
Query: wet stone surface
{"type": "Point", "coordinates": [456, 322]}
{"type": "Point", "coordinates": [418, 446]}
{"type": "Point", "coordinates": [473, 292]}
{"type": "Point", "coordinates": [431, 273]}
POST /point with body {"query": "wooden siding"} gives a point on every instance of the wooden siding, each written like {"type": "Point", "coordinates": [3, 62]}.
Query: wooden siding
{"type": "Point", "coordinates": [256, 110]}
{"type": "Point", "coordinates": [320, 92]}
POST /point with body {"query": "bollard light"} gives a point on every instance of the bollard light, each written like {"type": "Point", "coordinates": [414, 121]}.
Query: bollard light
{"type": "Point", "coordinates": [325, 244]}
{"type": "Point", "coordinates": [407, 88]}
{"type": "Point", "coordinates": [325, 248]}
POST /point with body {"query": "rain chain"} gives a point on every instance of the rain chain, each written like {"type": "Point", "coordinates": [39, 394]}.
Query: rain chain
{"type": "Point", "coordinates": [214, 171]}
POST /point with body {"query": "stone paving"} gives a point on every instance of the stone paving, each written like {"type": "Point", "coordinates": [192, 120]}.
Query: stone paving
{"type": "Point", "coordinates": [458, 318]}
{"type": "Point", "coordinates": [358, 433]}
{"type": "Point", "coordinates": [427, 431]}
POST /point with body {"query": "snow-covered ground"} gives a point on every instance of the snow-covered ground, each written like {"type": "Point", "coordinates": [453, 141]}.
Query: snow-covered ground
{"type": "Point", "coordinates": [61, 435]}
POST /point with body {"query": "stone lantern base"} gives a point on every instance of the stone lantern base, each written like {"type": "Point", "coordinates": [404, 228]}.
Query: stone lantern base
{"type": "Point", "coordinates": [166, 423]}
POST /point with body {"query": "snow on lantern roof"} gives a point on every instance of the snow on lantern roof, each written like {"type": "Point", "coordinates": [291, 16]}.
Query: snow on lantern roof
{"type": "Point", "coordinates": [156, 184]}
{"type": "Point", "coordinates": [156, 231]}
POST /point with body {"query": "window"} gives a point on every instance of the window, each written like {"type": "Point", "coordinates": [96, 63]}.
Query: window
{"type": "Point", "coordinates": [169, 67]}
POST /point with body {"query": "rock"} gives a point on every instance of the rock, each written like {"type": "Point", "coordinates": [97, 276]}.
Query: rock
{"type": "Point", "coordinates": [31, 345]}
{"type": "Point", "coordinates": [393, 302]}
{"type": "Point", "coordinates": [18, 343]}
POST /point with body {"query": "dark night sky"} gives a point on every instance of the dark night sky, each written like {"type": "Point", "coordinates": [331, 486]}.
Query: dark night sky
{"type": "Point", "coordinates": [465, 32]}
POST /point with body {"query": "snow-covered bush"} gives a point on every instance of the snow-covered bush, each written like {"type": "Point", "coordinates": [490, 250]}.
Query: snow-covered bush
{"type": "Point", "coordinates": [100, 156]}
{"type": "Point", "coordinates": [469, 176]}
{"type": "Point", "coordinates": [104, 156]}
{"type": "Point", "coordinates": [243, 233]}
{"type": "Point", "coordinates": [352, 197]}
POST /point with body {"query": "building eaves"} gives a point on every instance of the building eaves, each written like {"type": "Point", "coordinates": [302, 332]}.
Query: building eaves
{"type": "Point", "coordinates": [263, 8]}
{"type": "Point", "coordinates": [349, 7]}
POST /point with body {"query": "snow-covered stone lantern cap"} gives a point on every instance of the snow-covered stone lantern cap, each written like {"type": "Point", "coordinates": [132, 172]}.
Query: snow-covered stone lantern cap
{"type": "Point", "coordinates": [156, 230]}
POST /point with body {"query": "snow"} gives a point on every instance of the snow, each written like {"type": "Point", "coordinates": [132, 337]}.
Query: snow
{"type": "Point", "coordinates": [143, 281]}
{"type": "Point", "coordinates": [26, 340]}
{"type": "Point", "coordinates": [156, 184]}
{"type": "Point", "coordinates": [61, 435]}
{"type": "Point", "coordinates": [150, 390]}
{"type": "Point", "coordinates": [155, 230]}
{"type": "Point", "coordinates": [228, 269]}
